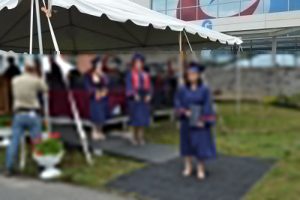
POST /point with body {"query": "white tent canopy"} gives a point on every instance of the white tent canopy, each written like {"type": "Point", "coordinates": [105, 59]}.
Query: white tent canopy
{"type": "Point", "coordinates": [100, 25]}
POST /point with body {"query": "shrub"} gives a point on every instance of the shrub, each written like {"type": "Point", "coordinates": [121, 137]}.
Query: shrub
{"type": "Point", "coordinates": [49, 146]}
{"type": "Point", "coordinates": [287, 101]}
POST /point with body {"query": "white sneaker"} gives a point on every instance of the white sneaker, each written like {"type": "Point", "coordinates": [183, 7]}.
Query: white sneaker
{"type": "Point", "coordinates": [98, 152]}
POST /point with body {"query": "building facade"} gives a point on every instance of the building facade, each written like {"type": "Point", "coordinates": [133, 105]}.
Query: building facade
{"type": "Point", "coordinates": [262, 24]}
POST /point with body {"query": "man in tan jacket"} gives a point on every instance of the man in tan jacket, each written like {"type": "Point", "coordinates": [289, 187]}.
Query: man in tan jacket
{"type": "Point", "coordinates": [26, 106]}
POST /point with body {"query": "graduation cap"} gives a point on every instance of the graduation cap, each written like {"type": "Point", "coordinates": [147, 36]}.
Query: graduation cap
{"type": "Point", "coordinates": [95, 61]}
{"type": "Point", "coordinates": [138, 56]}
{"type": "Point", "coordinates": [196, 67]}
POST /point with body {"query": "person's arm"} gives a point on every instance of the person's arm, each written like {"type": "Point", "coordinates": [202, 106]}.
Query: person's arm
{"type": "Point", "coordinates": [89, 86]}
{"type": "Point", "coordinates": [42, 86]}
{"type": "Point", "coordinates": [105, 89]}
{"type": "Point", "coordinates": [129, 87]}
{"type": "Point", "coordinates": [208, 116]}
{"type": "Point", "coordinates": [150, 89]}
{"type": "Point", "coordinates": [180, 110]}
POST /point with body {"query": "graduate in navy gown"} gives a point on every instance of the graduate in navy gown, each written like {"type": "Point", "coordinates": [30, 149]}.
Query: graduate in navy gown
{"type": "Point", "coordinates": [96, 83]}
{"type": "Point", "coordinates": [138, 91]}
{"type": "Point", "coordinates": [194, 107]}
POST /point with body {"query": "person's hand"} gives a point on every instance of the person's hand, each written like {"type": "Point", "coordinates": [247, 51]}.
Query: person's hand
{"type": "Point", "coordinates": [95, 79]}
{"type": "Point", "coordinates": [99, 95]}
{"type": "Point", "coordinates": [148, 99]}
{"type": "Point", "coordinates": [137, 97]}
{"type": "Point", "coordinates": [200, 124]}
{"type": "Point", "coordinates": [47, 12]}
{"type": "Point", "coordinates": [104, 92]}
{"type": "Point", "coordinates": [188, 113]}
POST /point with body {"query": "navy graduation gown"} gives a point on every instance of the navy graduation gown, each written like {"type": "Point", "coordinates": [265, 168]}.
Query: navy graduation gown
{"type": "Point", "coordinates": [99, 108]}
{"type": "Point", "coordinates": [196, 141]}
{"type": "Point", "coordinates": [139, 111]}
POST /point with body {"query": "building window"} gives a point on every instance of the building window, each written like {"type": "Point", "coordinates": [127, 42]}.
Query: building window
{"type": "Point", "coordinates": [159, 5]}
{"type": "Point", "coordinates": [294, 5]}
{"type": "Point", "coordinates": [190, 10]}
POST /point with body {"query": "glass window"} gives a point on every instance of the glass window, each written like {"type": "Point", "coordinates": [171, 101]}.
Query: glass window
{"type": "Point", "coordinates": [172, 4]}
{"type": "Point", "coordinates": [279, 6]}
{"type": "Point", "coordinates": [189, 13]}
{"type": "Point", "coordinates": [294, 4]}
{"type": "Point", "coordinates": [162, 11]}
{"type": "Point", "coordinates": [159, 4]}
{"type": "Point", "coordinates": [173, 13]}
{"type": "Point", "coordinates": [231, 8]}
{"type": "Point", "coordinates": [247, 3]}
{"type": "Point", "coordinates": [210, 10]}
{"type": "Point", "coordinates": [208, 2]}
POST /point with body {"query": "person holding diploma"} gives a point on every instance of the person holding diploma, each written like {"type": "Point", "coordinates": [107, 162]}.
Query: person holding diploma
{"type": "Point", "coordinates": [138, 91]}
{"type": "Point", "coordinates": [96, 83]}
{"type": "Point", "coordinates": [193, 104]}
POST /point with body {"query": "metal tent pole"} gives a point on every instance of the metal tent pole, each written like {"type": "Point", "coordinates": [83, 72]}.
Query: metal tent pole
{"type": "Point", "coordinates": [74, 108]}
{"type": "Point", "coordinates": [190, 46]}
{"type": "Point", "coordinates": [236, 52]}
{"type": "Point", "coordinates": [41, 52]}
{"type": "Point", "coordinates": [39, 27]}
{"type": "Point", "coordinates": [181, 61]}
{"type": "Point", "coordinates": [238, 81]}
{"type": "Point", "coordinates": [22, 163]}
{"type": "Point", "coordinates": [31, 27]}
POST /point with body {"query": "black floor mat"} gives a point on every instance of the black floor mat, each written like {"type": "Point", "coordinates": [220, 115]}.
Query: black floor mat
{"type": "Point", "coordinates": [229, 178]}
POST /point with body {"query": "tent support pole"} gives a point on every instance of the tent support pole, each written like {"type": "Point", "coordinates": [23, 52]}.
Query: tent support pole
{"type": "Point", "coordinates": [181, 61]}
{"type": "Point", "coordinates": [190, 46]}
{"type": "Point", "coordinates": [41, 50]}
{"type": "Point", "coordinates": [31, 27]}
{"type": "Point", "coordinates": [238, 81]}
{"type": "Point", "coordinates": [274, 50]}
{"type": "Point", "coordinates": [79, 126]}
{"type": "Point", "coordinates": [74, 108]}
{"type": "Point", "coordinates": [39, 26]}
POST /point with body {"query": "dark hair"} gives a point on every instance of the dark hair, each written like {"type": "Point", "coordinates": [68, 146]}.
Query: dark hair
{"type": "Point", "coordinates": [200, 68]}
{"type": "Point", "coordinates": [136, 57]}
{"type": "Point", "coordinates": [11, 60]}
{"type": "Point", "coordinates": [94, 62]}
{"type": "Point", "coordinates": [32, 70]}
{"type": "Point", "coordinates": [188, 84]}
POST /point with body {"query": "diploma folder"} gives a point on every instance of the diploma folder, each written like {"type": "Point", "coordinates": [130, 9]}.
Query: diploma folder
{"type": "Point", "coordinates": [142, 93]}
{"type": "Point", "coordinates": [196, 113]}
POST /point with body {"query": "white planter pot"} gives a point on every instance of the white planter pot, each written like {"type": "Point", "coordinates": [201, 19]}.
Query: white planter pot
{"type": "Point", "coordinates": [49, 162]}
{"type": "Point", "coordinates": [5, 133]}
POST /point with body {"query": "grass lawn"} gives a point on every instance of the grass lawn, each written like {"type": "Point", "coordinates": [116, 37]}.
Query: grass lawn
{"type": "Point", "coordinates": [258, 130]}
{"type": "Point", "coordinates": [76, 171]}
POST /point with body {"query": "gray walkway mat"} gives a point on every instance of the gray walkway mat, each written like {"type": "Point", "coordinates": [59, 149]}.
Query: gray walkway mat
{"type": "Point", "coordinates": [229, 178]}
{"type": "Point", "coordinates": [151, 153]}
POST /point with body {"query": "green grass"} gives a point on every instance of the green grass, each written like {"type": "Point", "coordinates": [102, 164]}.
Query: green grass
{"type": "Point", "coordinates": [258, 130]}
{"type": "Point", "coordinates": [5, 121]}
{"type": "Point", "coordinates": [76, 171]}
{"type": "Point", "coordinates": [105, 169]}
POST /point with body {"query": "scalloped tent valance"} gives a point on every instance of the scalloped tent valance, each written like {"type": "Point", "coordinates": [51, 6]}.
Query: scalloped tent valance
{"type": "Point", "coordinates": [100, 25]}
